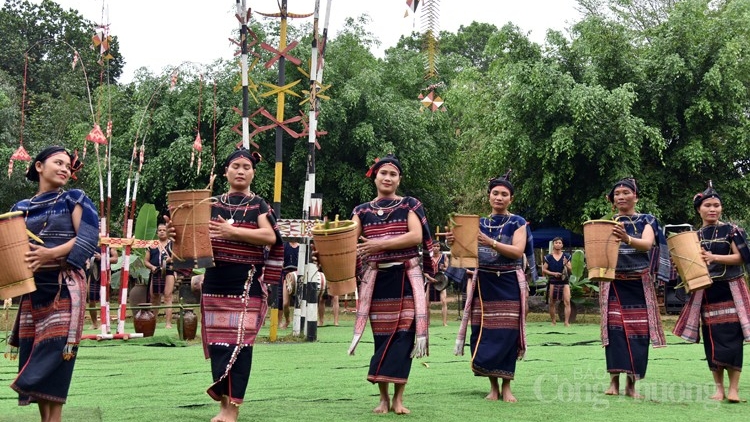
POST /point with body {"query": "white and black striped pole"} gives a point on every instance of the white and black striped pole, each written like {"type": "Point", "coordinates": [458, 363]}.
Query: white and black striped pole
{"type": "Point", "coordinates": [243, 15]}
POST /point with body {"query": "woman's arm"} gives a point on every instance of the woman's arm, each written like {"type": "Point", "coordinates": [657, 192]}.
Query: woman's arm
{"type": "Point", "coordinates": [40, 255]}
{"type": "Point", "coordinates": [733, 258]}
{"type": "Point", "coordinates": [412, 237]}
{"type": "Point", "coordinates": [263, 235]}
{"type": "Point", "coordinates": [514, 250]}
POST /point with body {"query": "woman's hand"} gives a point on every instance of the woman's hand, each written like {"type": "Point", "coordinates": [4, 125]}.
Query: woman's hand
{"type": "Point", "coordinates": [708, 257]}
{"type": "Point", "coordinates": [171, 231]}
{"type": "Point", "coordinates": [37, 256]}
{"type": "Point", "coordinates": [368, 246]}
{"type": "Point", "coordinates": [221, 229]}
{"type": "Point", "coordinates": [449, 238]}
{"type": "Point", "coordinates": [619, 232]}
{"type": "Point", "coordinates": [486, 240]}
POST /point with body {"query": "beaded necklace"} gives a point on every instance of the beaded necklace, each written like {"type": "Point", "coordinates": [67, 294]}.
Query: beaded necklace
{"type": "Point", "coordinates": [390, 207]}
{"type": "Point", "coordinates": [225, 200]}
{"type": "Point", "coordinates": [49, 209]}
{"type": "Point", "coordinates": [506, 219]}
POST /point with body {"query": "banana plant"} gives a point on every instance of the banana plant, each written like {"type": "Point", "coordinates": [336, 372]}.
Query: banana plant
{"type": "Point", "coordinates": [145, 229]}
{"type": "Point", "coordinates": [577, 281]}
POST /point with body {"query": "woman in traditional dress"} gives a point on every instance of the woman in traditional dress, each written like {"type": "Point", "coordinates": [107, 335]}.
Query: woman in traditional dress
{"type": "Point", "coordinates": [722, 310]}
{"type": "Point", "coordinates": [497, 293]}
{"type": "Point", "coordinates": [629, 309]}
{"type": "Point", "coordinates": [248, 253]}
{"type": "Point", "coordinates": [50, 320]}
{"type": "Point", "coordinates": [159, 262]}
{"type": "Point", "coordinates": [558, 288]}
{"type": "Point", "coordinates": [392, 290]}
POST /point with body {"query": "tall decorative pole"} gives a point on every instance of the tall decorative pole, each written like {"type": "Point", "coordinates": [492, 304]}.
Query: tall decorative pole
{"type": "Point", "coordinates": [312, 289]}
{"type": "Point", "coordinates": [281, 55]}
{"type": "Point", "coordinates": [243, 15]}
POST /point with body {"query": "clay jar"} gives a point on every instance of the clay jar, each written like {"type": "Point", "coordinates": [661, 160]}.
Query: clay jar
{"type": "Point", "coordinates": [189, 325]}
{"type": "Point", "coordinates": [145, 321]}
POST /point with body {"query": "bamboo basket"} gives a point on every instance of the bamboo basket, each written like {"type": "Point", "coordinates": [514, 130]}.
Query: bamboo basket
{"type": "Point", "coordinates": [16, 278]}
{"type": "Point", "coordinates": [190, 211]}
{"type": "Point", "coordinates": [602, 249]}
{"type": "Point", "coordinates": [337, 253]}
{"type": "Point", "coordinates": [685, 249]}
{"type": "Point", "coordinates": [465, 247]}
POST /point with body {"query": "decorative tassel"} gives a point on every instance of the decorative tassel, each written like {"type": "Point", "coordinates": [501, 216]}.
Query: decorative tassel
{"type": "Point", "coordinates": [353, 346]}
{"type": "Point", "coordinates": [11, 352]}
{"type": "Point", "coordinates": [69, 351]}
{"type": "Point", "coordinates": [458, 349]}
{"type": "Point", "coordinates": [420, 348]}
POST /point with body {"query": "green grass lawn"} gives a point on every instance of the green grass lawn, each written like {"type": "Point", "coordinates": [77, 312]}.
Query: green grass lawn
{"type": "Point", "coordinates": [562, 379]}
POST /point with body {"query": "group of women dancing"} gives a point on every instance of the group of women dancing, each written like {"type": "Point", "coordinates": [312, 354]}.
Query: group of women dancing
{"type": "Point", "coordinates": [248, 253]}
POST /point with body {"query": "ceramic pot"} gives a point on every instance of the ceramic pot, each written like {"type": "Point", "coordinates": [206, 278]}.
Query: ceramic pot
{"type": "Point", "coordinates": [145, 321]}
{"type": "Point", "coordinates": [189, 325]}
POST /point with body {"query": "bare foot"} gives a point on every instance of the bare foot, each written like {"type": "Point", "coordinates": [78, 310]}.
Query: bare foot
{"type": "Point", "coordinates": [630, 392]}
{"type": "Point", "coordinates": [508, 396]}
{"type": "Point", "coordinates": [168, 326]}
{"type": "Point", "coordinates": [567, 324]}
{"type": "Point", "coordinates": [382, 407]}
{"type": "Point", "coordinates": [733, 397]}
{"type": "Point", "coordinates": [283, 326]}
{"type": "Point", "coordinates": [554, 323]}
{"type": "Point", "coordinates": [493, 396]}
{"type": "Point", "coordinates": [718, 396]}
{"type": "Point", "coordinates": [228, 412]}
{"type": "Point", "coordinates": [93, 327]}
{"type": "Point", "coordinates": [399, 409]}
{"type": "Point", "coordinates": [614, 389]}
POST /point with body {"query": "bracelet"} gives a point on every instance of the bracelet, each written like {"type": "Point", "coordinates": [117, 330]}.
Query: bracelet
{"type": "Point", "coordinates": [630, 240]}
{"type": "Point", "coordinates": [494, 243]}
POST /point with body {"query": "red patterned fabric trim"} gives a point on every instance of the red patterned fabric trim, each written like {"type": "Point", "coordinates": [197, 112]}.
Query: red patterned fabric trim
{"type": "Point", "coordinates": [635, 321]}
{"type": "Point", "coordinates": [655, 330]}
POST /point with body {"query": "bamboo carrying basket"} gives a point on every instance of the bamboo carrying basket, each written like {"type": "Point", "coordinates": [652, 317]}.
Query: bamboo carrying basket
{"type": "Point", "coordinates": [190, 211]}
{"type": "Point", "coordinates": [602, 248]}
{"type": "Point", "coordinates": [465, 247]}
{"type": "Point", "coordinates": [685, 249]}
{"type": "Point", "coordinates": [16, 279]}
{"type": "Point", "coordinates": [337, 253]}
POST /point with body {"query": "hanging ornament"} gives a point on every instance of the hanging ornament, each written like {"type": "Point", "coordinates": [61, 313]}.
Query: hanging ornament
{"type": "Point", "coordinates": [19, 154]}
{"type": "Point", "coordinates": [96, 135]}
{"type": "Point", "coordinates": [173, 80]}
{"type": "Point", "coordinates": [197, 146]}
